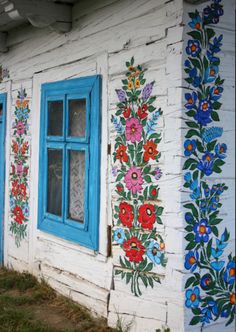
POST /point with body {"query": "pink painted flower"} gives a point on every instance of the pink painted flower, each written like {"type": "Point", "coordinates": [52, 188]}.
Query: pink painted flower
{"type": "Point", "coordinates": [20, 128]}
{"type": "Point", "coordinates": [133, 130]}
{"type": "Point", "coordinates": [134, 180]}
{"type": "Point", "coordinates": [19, 168]}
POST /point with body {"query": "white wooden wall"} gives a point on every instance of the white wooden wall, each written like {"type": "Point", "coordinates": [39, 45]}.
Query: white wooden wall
{"type": "Point", "coordinates": [105, 34]}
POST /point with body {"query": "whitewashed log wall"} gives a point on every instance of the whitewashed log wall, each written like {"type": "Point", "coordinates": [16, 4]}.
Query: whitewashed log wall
{"type": "Point", "coordinates": [105, 34]}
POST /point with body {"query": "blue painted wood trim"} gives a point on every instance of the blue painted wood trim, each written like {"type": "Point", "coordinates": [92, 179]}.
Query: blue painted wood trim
{"type": "Point", "coordinates": [3, 100]}
{"type": "Point", "coordinates": [89, 88]}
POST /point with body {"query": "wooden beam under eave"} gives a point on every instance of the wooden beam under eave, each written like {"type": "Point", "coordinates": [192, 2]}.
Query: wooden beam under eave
{"type": "Point", "coordinates": [3, 42]}
{"type": "Point", "coordinates": [195, 2]}
{"type": "Point", "coordinates": [45, 13]}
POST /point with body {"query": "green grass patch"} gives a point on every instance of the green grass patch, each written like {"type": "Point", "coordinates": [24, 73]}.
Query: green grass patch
{"type": "Point", "coordinates": [29, 306]}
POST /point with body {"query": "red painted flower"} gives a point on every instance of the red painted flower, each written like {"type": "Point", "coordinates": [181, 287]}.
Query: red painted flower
{"type": "Point", "coordinates": [24, 148]}
{"type": "Point", "coordinates": [146, 216]}
{"type": "Point", "coordinates": [127, 112]}
{"type": "Point", "coordinates": [154, 192]}
{"type": "Point", "coordinates": [119, 188]}
{"type": "Point", "coordinates": [18, 215]}
{"type": "Point", "coordinates": [15, 146]}
{"type": "Point", "coordinates": [150, 150]}
{"type": "Point", "coordinates": [134, 249]}
{"type": "Point", "coordinates": [121, 153]}
{"type": "Point", "coordinates": [142, 111]}
{"type": "Point", "coordinates": [126, 214]}
{"type": "Point", "coordinates": [25, 171]}
{"type": "Point", "coordinates": [15, 188]}
{"type": "Point", "coordinates": [22, 190]}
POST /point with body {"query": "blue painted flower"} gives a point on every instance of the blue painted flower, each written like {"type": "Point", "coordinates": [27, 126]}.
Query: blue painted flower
{"type": "Point", "coordinates": [207, 191]}
{"type": "Point", "coordinates": [192, 297]}
{"type": "Point", "coordinates": [214, 189]}
{"type": "Point", "coordinates": [187, 63]}
{"type": "Point", "coordinates": [206, 281]}
{"type": "Point", "coordinates": [12, 202]}
{"type": "Point", "coordinates": [203, 206]}
{"type": "Point", "coordinates": [206, 164]}
{"type": "Point", "coordinates": [188, 217]}
{"type": "Point", "coordinates": [188, 177]}
{"type": "Point", "coordinates": [213, 306]}
{"type": "Point", "coordinates": [196, 79]}
{"type": "Point", "coordinates": [217, 265]}
{"type": "Point", "coordinates": [211, 74]}
{"type": "Point", "coordinates": [221, 244]}
{"type": "Point", "coordinates": [210, 134]}
{"type": "Point", "coordinates": [191, 100]}
{"type": "Point", "coordinates": [206, 316]}
{"type": "Point", "coordinates": [193, 48]}
{"type": "Point", "coordinates": [153, 252]}
{"type": "Point", "coordinates": [225, 313]}
{"type": "Point", "coordinates": [220, 189]}
{"type": "Point", "coordinates": [220, 150]}
{"type": "Point", "coordinates": [190, 147]}
{"type": "Point", "coordinates": [119, 236]}
{"type": "Point", "coordinates": [215, 46]}
{"type": "Point", "coordinates": [214, 203]}
{"type": "Point", "coordinates": [229, 274]}
{"type": "Point", "coordinates": [212, 13]}
{"type": "Point", "coordinates": [196, 190]}
{"type": "Point", "coordinates": [203, 112]}
{"type": "Point", "coordinates": [196, 23]}
{"type": "Point", "coordinates": [191, 260]}
{"type": "Point", "coordinates": [25, 210]}
{"type": "Point", "coordinates": [215, 92]}
{"type": "Point", "coordinates": [212, 58]}
{"type": "Point", "coordinates": [196, 194]}
{"type": "Point", "coordinates": [216, 253]}
{"type": "Point", "coordinates": [202, 231]}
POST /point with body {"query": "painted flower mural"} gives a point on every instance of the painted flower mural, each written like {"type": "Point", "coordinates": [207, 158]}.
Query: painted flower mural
{"type": "Point", "coordinates": [19, 181]}
{"type": "Point", "coordinates": [210, 290]}
{"type": "Point", "coordinates": [138, 213]}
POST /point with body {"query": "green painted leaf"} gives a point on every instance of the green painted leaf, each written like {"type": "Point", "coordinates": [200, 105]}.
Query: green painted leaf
{"type": "Point", "coordinates": [215, 116]}
{"type": "Point", "coordinates": [191, 133]}
{"type": "Point", "coordinates": [195, 320]}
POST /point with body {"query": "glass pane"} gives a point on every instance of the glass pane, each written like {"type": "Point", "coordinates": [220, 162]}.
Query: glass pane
{"type": "Point", "coordinates": [76, 185]}
{"type": "Point", "coordinates": [1, 109]}
{"type": "Point", "coordinates": [54, 200]}
{"type": "Point", "coordinates": [55, 118]}
{"type": "Point", "coordinates": [77, 116]}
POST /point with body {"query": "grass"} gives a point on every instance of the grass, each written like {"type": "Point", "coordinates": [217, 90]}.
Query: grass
{"type": "Point", "coordinates": [29, 306]}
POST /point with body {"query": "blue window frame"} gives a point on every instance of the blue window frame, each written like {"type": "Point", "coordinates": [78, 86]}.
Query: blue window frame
{"type": "Point", "coordinates": [3, 104]}
{"type": "Point", "coordinates": [69, 178]}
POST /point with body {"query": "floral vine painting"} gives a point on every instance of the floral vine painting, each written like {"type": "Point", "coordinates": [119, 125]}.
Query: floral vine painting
{"type": "Point", "coordinates": [136, 156]}
{"type": "Point", "coordinates": [210, 290]}
{"type": "Point", "coordinates": [19, 173]}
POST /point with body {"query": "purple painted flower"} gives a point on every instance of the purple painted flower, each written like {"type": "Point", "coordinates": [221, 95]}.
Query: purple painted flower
{"type": "Point", "coordinates": [158, 173]}
{"type": "Point", "coordinates": [114, 170]}
{"type": "Point", "coordinates": [20, 128]}
{"type": "Point", "coordinates": [121, 95]}
{"type": "Point", "coordinates": [147, 90]}
{"type": "Point", "coordinates": [134, 180]}
{"type": "Point", "coordinates": [133, 130]}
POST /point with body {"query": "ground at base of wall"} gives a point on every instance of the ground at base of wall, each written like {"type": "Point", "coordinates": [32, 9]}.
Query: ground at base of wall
{"type": "Point", "coordinates": [27, 305]}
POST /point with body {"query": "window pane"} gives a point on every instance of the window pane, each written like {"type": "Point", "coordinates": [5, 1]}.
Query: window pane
{"type": "Point", "coordinates": [55, 118]}
{"type": "Point", "coordinates": [1, 109]}
{"type": "Point", "coordinates": [76, 185]}
{"type": "Point", "coordinates": [77, 116]}
{"type": "Point", "coordinates": [54, 198]}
